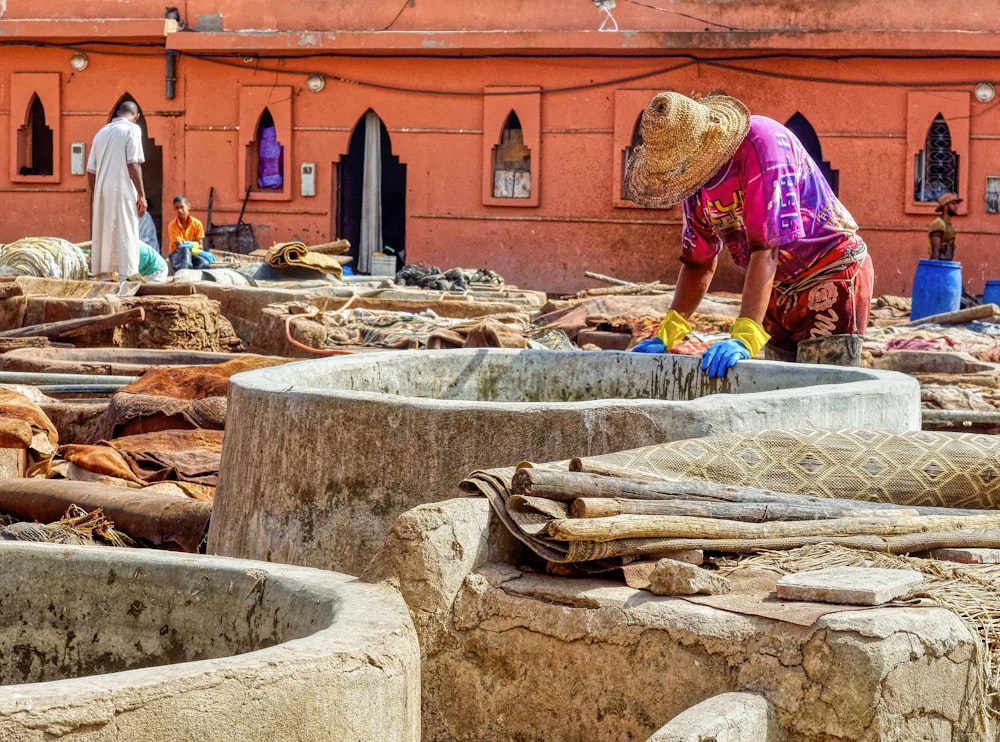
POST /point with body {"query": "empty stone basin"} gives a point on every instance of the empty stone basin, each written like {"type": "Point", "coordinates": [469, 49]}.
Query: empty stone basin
{"type": "Point", "coordinates": [321, 456]}
{"type": "Point", "coordinates": [128, 644]}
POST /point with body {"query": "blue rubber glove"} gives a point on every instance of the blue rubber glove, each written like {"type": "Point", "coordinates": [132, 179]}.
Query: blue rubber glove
{"type": "Point", "coordinates": [722, 356]}
{"type": "Point", "coordinates": [651, 345]}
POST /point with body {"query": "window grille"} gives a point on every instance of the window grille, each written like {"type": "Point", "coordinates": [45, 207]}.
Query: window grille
{"type": "Point", "coordinates": [935, 170]}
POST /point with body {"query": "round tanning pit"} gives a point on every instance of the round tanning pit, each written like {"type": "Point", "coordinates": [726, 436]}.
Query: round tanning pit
{"type": "Point", "coordinates": [321, 456]}
{"type": "Point", "coordinates": [126, 644]}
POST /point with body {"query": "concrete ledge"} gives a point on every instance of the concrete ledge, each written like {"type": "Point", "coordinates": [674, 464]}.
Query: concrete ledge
{"type": "Point", "coordinates": [511, 653]}
{"type": "Point", "coordinates": [127, 644]}
{"type": "Point", "coordinates": [321, 456]}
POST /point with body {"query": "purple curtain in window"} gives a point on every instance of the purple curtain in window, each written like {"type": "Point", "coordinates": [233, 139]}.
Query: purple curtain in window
{"type": "Point", "coordinates": [269, 153]}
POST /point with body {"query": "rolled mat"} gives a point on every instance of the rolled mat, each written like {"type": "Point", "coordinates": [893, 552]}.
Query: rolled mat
{"type": "Point", "coordinates": [161, 519]}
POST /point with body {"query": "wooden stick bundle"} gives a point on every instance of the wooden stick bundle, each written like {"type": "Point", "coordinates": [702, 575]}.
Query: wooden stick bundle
{"type": "Point", "coordinates": [582, 551]}
{"type": "Point", "coordinates": [618, 527]}
{"type": "Point", "coordinates": [602, 507]}
{"type": "Point", "coordinates": [569, 486]}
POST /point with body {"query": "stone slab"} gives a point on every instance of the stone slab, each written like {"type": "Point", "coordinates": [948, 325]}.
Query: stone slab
{"type": "Point", "coordinates": [851, 585]}
{"type": "Point", "coordinates": [967, 556]}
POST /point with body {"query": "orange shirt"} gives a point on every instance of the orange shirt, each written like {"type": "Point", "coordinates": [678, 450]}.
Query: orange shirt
{"type": "Point", "coordinates": [195, 231]}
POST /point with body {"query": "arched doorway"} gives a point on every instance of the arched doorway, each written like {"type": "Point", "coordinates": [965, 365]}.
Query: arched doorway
{"type": "Point", "coordinates": [152, 168]}
{"type": "Point", "coordinates": [799, 125]}
{"type": "Point", "coordinates": [370, 207]}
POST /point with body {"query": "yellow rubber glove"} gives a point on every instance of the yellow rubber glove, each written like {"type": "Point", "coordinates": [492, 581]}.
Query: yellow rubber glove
{"type": "Point", "coordinates": [750, 334]}
{"type": "Point", "coordinates": [673, 329]}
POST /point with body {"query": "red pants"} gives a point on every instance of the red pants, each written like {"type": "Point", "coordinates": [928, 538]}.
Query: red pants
{"type": "Point", "coordinates": [834, 303]}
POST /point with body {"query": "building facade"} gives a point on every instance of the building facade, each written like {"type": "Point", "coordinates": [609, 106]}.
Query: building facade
{"type": "Point", "coordinates": [495, 134]}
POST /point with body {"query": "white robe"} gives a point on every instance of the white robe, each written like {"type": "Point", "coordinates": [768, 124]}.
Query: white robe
{"type": "Point", "coordinates": [115, 228]}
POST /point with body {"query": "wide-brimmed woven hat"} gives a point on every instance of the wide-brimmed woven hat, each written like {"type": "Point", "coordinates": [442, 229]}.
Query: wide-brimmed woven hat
{"type": "Point", "coordinates": [945, 199]}
{"type": "Point", "coordinates": [684, 143]}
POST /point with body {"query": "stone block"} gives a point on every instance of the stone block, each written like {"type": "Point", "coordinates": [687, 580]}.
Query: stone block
{"type": "Point", "coordinates": [967, 556]}
{"type": "Point", "coordinates": [851, 585]}
{"type": "Point", "coordinates": [671, 577]}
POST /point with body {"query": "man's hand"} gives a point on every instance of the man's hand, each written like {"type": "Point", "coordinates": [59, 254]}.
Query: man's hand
{"type": "Point", "coordinates": [722, 356]}
{"type": "Point", "coordinates": [141, 205]}
{"type": "Point", "coordinates": [650, 345]}
{"type": "Point", "coordinates": [746, 340]}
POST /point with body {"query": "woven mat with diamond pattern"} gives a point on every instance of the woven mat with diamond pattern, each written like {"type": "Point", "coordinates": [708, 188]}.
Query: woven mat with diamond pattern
{"type": "Point", "coordinates": [921, 468]}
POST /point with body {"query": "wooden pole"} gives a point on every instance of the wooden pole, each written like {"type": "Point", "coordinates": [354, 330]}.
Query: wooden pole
{"type": "Point", "coordinates": [567, 486]}
{"type": "Point", "coordinates": [583, 551]}
{"type": "Point", "coordinates": [619, 527]}
{"type": "Point", "coordinates": [80, 326]}
{"type": "Point", "coordinates": [754, 512]}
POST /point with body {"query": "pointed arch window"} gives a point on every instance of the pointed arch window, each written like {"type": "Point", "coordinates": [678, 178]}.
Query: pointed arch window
{"type": "Point", "coordinates": [34, 142]}
{"type": "Point", "coordinates": [935, 167]}
{"type": "Point", "coordinates": [937, 149]}
{"type": "Point", "coordinates": [266, 143]}
{"type": "Point", "coordinates": [511, 146]}
{"type": "Point", "coordinates": [266, 155]}
{"type": "Point", "coordinates": [512, 162]}
{"type": "Point", "coordinates": [803, 130]}
{"type": "Point", "coordinates": [35, 127]}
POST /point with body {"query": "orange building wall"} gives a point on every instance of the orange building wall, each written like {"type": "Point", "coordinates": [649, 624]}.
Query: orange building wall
{"type": "Point", "coordinates": [579, 224]}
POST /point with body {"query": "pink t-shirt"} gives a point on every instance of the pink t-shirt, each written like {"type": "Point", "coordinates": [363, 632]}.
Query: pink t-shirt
{"type": "Point", "coordinates": [769, 195]}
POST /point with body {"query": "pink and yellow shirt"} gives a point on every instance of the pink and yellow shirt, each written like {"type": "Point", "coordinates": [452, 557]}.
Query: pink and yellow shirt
{"type": "Point", "coordinates": [770, 194]}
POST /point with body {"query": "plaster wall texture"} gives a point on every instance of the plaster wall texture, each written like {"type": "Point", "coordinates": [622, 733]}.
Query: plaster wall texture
{"type": "Point", "coordinates": [513, 654]}
{"type": "Point", "coordinates": [321, 456]}
{"type": "Point", "coordinates": [116, 644]}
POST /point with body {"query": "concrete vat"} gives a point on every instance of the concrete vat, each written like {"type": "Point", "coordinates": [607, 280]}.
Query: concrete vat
{"type": "Point", "coordinates": [127, 644]}
{"type": "Point", "coordinates": [321, 456]}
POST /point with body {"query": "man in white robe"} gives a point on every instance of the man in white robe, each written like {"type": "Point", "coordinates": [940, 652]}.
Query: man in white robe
{"type": "Point", "coordinates": [114, 172]}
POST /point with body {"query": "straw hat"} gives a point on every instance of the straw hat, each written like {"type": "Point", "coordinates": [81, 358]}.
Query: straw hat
{"type": "Point", "coordinates": [684, 143]}
{"type": "Point", "coordinates": [945, 199]}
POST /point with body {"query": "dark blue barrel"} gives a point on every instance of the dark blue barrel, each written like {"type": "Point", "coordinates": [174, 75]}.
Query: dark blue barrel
{"type": "Point", "coordinates": [992, 293]}
{"type": "Point", "coordinates": [937, 288]}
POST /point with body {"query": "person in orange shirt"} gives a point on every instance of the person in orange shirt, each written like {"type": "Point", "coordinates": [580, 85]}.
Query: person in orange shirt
{"type": "Point", "coordinates": [184, 227]}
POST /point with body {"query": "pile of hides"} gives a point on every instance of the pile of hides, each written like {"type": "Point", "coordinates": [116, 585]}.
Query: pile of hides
{"type": "Point", "coordinates": [375, 328]}
{"type": "Point", "coordinates": [638, 315]}
{"type": "Point", "coordinates": [745, 493]}
{"type": "Point", "coordinates": [181, 397]}
{"type": "Point", "coordinates": [433, 278]}
{"type": "Point", "coordinates": [187, 459]}
{"type": "Point", "coordinates": [23, 424]}
{"type": "Point", "coordinates": [44, 257]}
{"type": "Point", "coordinates": [324, 258]}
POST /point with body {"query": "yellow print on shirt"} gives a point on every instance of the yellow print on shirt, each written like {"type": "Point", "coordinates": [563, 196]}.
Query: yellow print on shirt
{"type": "Point", "coordinates": [725, 217]}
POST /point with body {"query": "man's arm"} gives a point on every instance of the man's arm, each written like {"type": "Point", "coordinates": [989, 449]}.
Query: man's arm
{"type": "Point", "coordinates": [91, 180]}
{"type": "Point", "coordinates": [758, 284]}
{"type": "Point", "coordinates": [692, 285]}
{"type": "Point", "coordinates": [135, 173]}
{"type": "Point", "coordinates": [936, 245]}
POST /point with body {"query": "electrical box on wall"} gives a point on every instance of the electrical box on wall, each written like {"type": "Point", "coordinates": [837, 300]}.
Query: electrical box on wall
{"type": "Point", "coordinates": [308, 178]}
{"type": "Point", "coordinates": [77, 162]}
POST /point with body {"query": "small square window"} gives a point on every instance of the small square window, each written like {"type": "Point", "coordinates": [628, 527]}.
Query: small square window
{"type": "Point", "coordinates": [993, 194]}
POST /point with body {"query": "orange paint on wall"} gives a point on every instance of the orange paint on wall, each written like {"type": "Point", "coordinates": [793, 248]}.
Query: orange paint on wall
{"type": "Point", "coordinates": [427, 80]}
